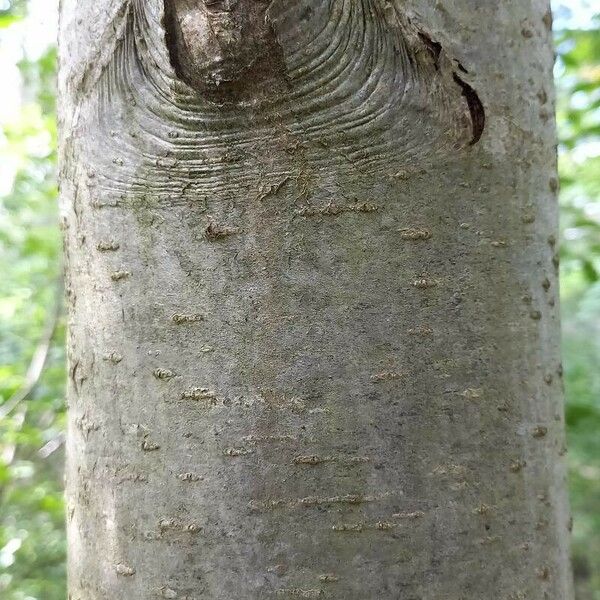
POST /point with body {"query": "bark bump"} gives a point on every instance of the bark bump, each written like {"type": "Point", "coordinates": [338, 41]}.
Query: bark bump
{"type": "Point", "coordinates": [200, 87]}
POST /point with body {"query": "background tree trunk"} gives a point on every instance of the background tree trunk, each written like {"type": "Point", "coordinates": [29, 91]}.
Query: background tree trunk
{"type": "Point", "coordinates": [312, 278]}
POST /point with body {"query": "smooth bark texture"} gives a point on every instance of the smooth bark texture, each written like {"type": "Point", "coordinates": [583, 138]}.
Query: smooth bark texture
{"type": "Point", "coordinates": [312, 278]}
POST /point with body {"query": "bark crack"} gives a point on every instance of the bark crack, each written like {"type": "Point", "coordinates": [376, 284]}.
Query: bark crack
{"type": "Point", "coordinates": [474, 104]}
{"type": "Point", "coordinates": [476, 108]}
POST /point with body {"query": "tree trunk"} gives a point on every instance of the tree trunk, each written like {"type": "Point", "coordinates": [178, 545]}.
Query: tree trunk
{"type": "Point", "coordinates": [313, 286]}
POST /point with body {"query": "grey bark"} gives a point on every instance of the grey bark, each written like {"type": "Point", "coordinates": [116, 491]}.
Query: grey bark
{"type": "Point", "coordinates": [313, 300]}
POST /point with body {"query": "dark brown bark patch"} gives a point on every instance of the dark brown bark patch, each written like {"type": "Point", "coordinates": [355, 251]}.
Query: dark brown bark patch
{"type": "Point", "coordinates": [222, 47]}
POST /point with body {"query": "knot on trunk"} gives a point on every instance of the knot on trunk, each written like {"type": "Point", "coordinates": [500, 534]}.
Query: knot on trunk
{"type": "Point", "coordinates": [222, 45]}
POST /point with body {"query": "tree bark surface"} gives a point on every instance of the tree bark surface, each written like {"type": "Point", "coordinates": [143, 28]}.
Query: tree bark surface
{"type": "Point", "coordinates": [312, 274]}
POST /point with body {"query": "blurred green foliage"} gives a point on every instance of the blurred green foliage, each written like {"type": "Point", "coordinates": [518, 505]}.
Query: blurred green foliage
{"type": "Point", "coordinates": [578, 82]}
{"type": "Point", "coordinates": [11, 11]}
{"type": "Point", "coordinates": [32, 541]}
{"type": "Point", "coordinates": [32, 544]}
